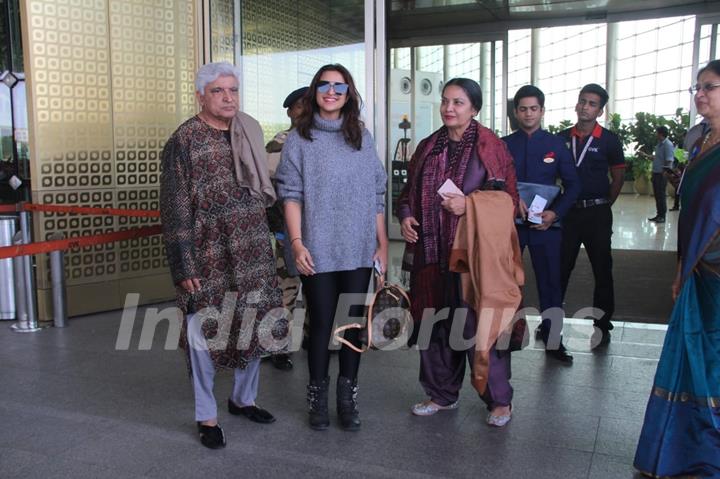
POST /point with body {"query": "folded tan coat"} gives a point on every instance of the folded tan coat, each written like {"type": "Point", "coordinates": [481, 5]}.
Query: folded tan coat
{"type": "Point", "coordinates": [487, 254]}
{"type": "Point", "coordinates": [249, 156]}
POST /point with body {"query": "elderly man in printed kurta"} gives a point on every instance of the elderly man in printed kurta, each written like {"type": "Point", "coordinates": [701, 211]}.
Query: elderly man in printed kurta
{"type": "Point", "coordinates": [214, 189]}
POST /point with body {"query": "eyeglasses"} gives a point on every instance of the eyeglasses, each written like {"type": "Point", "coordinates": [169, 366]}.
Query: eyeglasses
{"type": "Point", "coordinates": [325, 86]}
{"type": "Point", "coordinates": [707, 87]}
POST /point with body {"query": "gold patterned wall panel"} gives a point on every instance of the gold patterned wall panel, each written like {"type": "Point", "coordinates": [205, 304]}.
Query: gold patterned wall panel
{"type": "Point", "coordinates": [222, 31]}
{"type": "Point", "coordinates": [109, 81]}
{"type": "Point", "coordinates": [152, 44]}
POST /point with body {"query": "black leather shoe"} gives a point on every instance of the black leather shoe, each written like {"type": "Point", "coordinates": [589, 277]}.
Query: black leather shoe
{"type": "Point", "coordinates": [254, 413]}
{"type": "Point", "coordinates": [561, 354]}
{"type": "Point", "coordinates": [282, 362]}
{"type": "Point", "coordinates": [660, 220]}
{"type": "Point", "coordinates": [212, 437]}
{"type": "Point", "coordinates": [600, 338]}
{"type": "Point", "coordinates": [538, 332]}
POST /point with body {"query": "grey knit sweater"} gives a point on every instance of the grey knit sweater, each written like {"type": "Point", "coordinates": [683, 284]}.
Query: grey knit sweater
{"type": "Point", "coordinates": [341, 191]}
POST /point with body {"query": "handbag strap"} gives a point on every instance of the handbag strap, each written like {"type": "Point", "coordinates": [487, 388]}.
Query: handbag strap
{"type": "Point", "coordinates": [338, 337]}
{"type": "Point", "coordinates": [338, 332]}
{"type": "Point", "coordinates": [383, 285]}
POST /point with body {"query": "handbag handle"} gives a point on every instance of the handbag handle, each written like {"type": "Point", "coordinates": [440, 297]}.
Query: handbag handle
{"type": "Point", "coordinates": [379, 286]}
{"type": "Point", "coordinates": [338, 337]}
{"type": "Point", "coordinates": [379, 278]}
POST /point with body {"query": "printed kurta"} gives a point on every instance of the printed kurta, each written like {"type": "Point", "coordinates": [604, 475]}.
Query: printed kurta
{"type": "Point", "coordinates": [214, 230]}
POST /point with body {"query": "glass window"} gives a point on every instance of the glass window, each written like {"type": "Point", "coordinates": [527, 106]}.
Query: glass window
{"type": "Point", "coordinates": [400, 58]}
{"type": "Point", "coordinates": [654, 71]}
{"type": "Point", "coordinates": [519, 59]}
{"type": "Point", "coordinates": [569, 58]}
{"type": "Point", "coordinates": [430, 59]}
{"type": "Point", "coordinates": [6, 139]}
{"type": "Point", "coordinates": [284, 42]}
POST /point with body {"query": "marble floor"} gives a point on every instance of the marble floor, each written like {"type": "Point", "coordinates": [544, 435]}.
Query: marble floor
{"type": "Point", "coordinates": [74, 406]}
{"type": "Point", "coordinates": [631, 227]}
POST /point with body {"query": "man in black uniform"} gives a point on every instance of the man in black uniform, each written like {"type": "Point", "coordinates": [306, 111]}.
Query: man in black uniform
{"type": "Point", "coordinates": [596, 151]}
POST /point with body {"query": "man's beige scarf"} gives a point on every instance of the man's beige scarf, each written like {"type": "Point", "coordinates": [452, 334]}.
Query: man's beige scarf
{"type": "Point", "coordinates": [251, 167]}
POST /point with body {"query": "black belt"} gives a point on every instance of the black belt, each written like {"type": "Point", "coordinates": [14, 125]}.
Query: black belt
{"type": "Point", "coordinates": [592, 202]}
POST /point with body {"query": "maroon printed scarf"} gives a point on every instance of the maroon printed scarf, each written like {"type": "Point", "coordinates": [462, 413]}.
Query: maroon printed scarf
{"type": "Point", "coordinates": [439, 225]}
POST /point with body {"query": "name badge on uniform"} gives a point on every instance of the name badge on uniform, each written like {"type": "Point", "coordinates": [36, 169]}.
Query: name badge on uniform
{"type": "Point", "coordinates": [549, 157]}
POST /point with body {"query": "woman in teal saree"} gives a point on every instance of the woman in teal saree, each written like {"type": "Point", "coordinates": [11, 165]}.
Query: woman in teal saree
{"type": "Point", "coordinates": [681, 432]}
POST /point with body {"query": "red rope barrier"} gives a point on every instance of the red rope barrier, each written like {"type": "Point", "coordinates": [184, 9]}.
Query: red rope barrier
{"type": "Point", "coordinates": [78, 242]}
{"type": "Point", "coordinates": [85, 210]}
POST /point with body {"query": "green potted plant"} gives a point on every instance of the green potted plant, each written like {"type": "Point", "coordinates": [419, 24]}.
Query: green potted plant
{"type": "Point", "coordinates": [642, 132]}
{"type": "Point", "coordinates": [564, 125]}
{"type": "Point", "coordinates": [621, 130]}
{"type": "Point", "coordinates": [642, 172]}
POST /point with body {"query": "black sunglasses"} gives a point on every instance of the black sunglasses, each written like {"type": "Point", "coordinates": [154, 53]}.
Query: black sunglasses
{"type": "Point", "coordinates": [325, 86]}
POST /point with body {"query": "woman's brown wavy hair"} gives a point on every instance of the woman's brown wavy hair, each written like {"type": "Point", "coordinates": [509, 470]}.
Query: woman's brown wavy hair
{"type": "Point", "coordinates": [352, 127]}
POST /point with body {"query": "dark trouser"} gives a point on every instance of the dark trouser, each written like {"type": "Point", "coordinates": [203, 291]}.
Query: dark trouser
{"type": "Point", "coordinates": [591, 227]}
{"type": "Point", "coordinates": [322, 292]}
{"type": "Point", "coordinates": [442, 368]}
{"type": "Point", "coordinates": [659, 183]}
{"type": "Point", "coordinates": [546, 258]}
{"type": "Point", "coordinates": [676, 199]}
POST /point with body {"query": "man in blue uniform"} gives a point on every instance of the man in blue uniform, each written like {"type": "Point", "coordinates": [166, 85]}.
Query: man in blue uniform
{"type": "Point", "coordinates": [542, 158]}
{"type": "Point", "coordinates": [596, 151]}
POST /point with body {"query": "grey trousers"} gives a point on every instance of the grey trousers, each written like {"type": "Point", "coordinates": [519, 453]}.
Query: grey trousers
{"type": "Point", "coordinates": [245, 387]}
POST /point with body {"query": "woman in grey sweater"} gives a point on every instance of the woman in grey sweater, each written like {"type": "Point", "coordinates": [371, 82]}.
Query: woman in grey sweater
{"type": "Point", "coordinates": [333, 184]}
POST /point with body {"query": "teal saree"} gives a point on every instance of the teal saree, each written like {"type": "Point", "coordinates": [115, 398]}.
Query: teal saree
{"type": "Point", "coordinates": [681, 432]}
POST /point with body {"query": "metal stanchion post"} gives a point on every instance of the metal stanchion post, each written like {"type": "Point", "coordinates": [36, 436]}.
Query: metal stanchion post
{"type": "Point", "coordinates": [57, 273]}
{"type": "Point", "coordinates": [28, 280]}
{"type": "Point", "coordinates": [7, 286]}
{"type": "Point", "coordinates": [20, 298]}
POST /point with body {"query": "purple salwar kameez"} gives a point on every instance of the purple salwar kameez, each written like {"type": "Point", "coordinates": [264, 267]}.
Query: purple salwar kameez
{"type": "Point", "coordinates": [442, 367]}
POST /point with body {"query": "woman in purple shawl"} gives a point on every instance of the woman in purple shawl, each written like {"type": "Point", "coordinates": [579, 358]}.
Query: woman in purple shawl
{"type": "Point", "coordinates": [473, 158]}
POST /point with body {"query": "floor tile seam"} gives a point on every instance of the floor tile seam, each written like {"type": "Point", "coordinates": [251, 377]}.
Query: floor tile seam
{"type": "Point", "coordinates": [621, 418]}
{"type": "Point", "coordinates": [621, 459]}
{"type": "Point", "coordinates": [583, 353]}
{"type": "Point", "coordinates": [532, 443]}
{"type": "Point", "coordinates": [590, 466]}
{"type": "Point", "coordinates": [568, 342]}
{"type": "Point", "coordinates": [537, 381]}
{"type": "Point", "coordinates": [595, 442]}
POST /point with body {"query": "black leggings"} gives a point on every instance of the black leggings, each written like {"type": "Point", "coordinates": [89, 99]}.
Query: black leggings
{"type": "Point", "coordinates": [322, 292]}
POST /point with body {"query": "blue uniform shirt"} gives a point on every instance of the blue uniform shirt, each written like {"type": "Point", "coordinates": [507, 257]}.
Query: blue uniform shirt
{"type": "Point", "coordinates": [604, 153]}
{"type": "Point", "coordinates": [664, 156]}
{"type": "Point", "coordinates": [543, 158]}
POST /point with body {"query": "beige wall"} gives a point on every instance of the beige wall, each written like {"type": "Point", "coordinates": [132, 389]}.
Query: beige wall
{"type": "Point", "coordinates": [108, 82]}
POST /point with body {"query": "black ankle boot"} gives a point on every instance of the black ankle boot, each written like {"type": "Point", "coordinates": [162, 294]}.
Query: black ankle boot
{"type": "Point", "coordinates": [347, 404]}
{"type": "Point", "coordinates": [317, 398]}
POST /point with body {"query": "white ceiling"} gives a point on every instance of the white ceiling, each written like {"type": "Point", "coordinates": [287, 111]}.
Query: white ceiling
{"type": "Point", "coordinates": [409, 19]}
